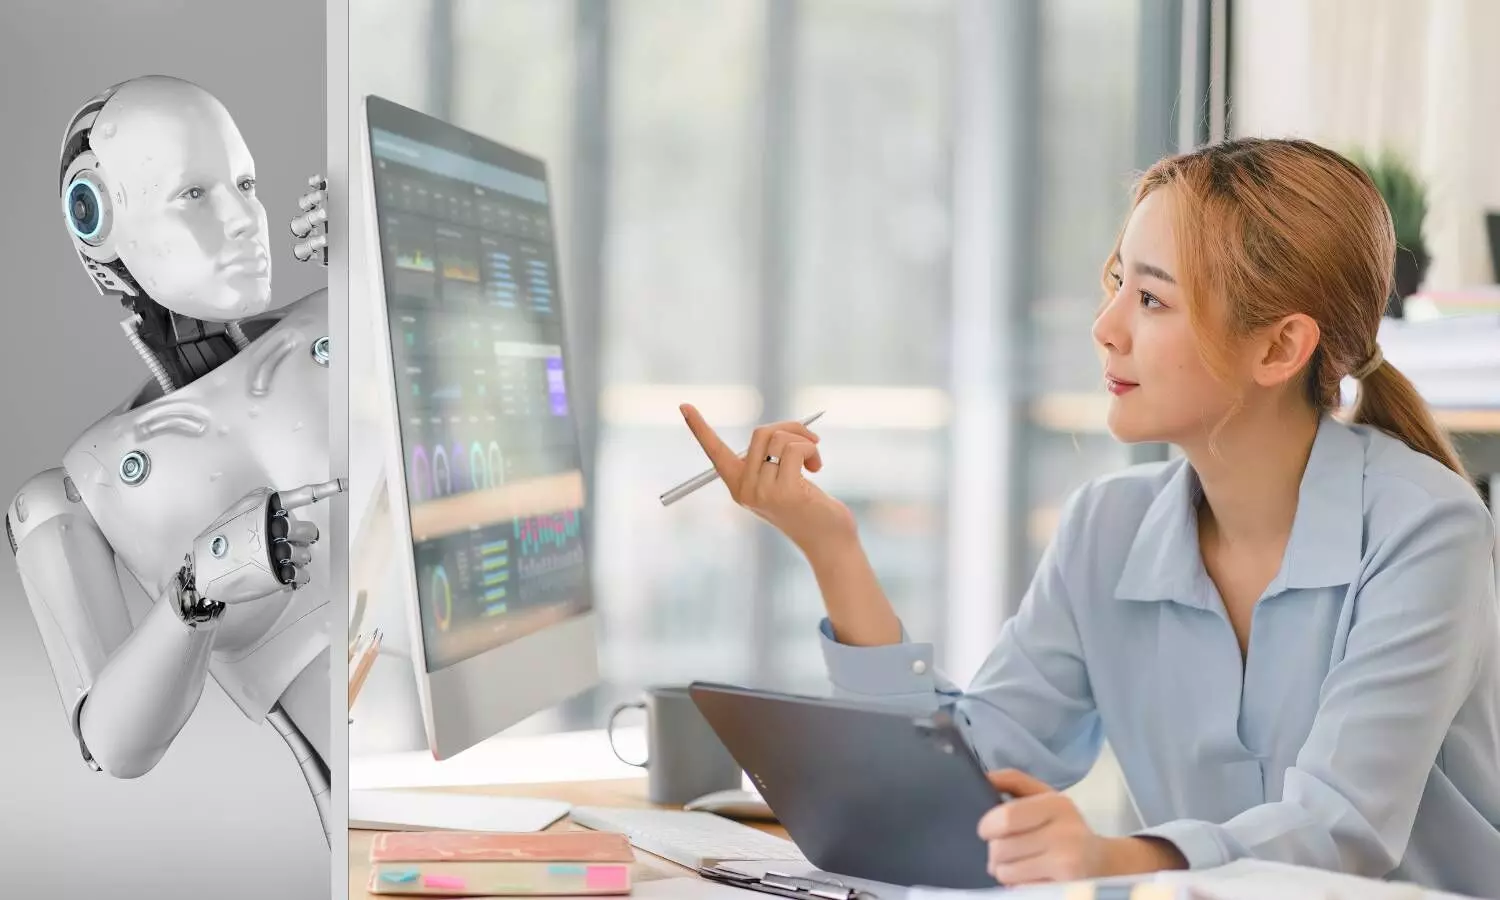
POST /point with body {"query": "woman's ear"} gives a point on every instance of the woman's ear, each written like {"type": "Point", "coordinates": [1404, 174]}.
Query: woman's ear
{"type": "Point", "coordinates": [1285, 349]}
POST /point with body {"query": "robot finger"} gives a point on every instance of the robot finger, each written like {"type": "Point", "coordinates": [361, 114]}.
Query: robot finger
{"type": "Point", "coordinates": [287, 574]}
{"type": "Point", "coordinates": [295, 554]}
{"type": "Point", "coordinates": [310, 493]}
{"type": "Point", "coordinates": [296, 531]}
{"type": "Point", "coordinates": [311, 199]}
{"type": "Point", "coordinates": [301, 578]}
{"type": "Point", "coordinates": [303, 225]}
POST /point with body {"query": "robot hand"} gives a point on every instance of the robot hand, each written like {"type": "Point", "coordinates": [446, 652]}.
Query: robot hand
{"type": "Point", "coordinates": [314, 215]}
{"type": "Point", "coordinates": [256, 548]}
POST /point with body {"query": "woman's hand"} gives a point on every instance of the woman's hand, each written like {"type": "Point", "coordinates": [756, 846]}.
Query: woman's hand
{"type": "Point", "coordinates": [778, 492]}
{"type": "Point", "coordinates": [1041, 836]}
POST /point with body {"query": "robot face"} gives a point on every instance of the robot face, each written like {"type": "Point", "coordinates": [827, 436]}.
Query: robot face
{"type": "Point", "coordinates": [187, 223]}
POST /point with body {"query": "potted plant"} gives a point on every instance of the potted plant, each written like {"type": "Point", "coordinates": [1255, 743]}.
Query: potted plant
{"type": "Point", "coordinates": [1406, 196]}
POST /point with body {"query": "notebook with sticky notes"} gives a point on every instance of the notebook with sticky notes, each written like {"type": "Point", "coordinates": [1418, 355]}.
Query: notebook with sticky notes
{"type": "Point", "coordinates": [475, 864]}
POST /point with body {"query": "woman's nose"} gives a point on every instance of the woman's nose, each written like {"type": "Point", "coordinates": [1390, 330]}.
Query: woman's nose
{"type": "Point", "coordinates": [1110, 329]}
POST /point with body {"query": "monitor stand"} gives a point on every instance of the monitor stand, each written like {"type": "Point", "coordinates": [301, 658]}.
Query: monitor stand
{"type": "Point", "coordinates": [395, 809]}
{"type": "Point", "coordinates": [398, 810]}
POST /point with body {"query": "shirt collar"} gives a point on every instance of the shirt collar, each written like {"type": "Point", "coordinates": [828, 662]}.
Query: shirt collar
{"type": "Point", "coordinates": [1326, 544]}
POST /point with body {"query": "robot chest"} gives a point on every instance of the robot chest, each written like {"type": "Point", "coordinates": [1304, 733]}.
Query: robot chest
{"type": "Point", "coordinates": [155, 477]}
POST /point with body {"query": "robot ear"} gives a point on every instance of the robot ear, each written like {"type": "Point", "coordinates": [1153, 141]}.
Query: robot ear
{"type": "Point", "coordinates": [88, 211]}
{"type": "Point", "coordinates": [87, 208]}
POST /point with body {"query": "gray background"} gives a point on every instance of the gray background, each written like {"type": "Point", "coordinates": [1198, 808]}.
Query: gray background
{"type": "Point", "coordinates": [225, 814]}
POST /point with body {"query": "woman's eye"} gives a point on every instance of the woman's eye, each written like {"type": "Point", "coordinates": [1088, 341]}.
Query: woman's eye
{"type": "Point", "coordinates": [1116, 279]}
{"type": "Point", "coordinates": [1149, 301]}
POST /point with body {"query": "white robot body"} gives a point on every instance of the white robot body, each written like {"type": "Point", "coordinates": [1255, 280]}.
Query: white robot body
{"type": "Point", "coordinates": [188, 485]}
{"type": "Point", "coordinates": [259, 419]}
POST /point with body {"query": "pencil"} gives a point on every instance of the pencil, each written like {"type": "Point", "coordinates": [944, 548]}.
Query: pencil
{"type": "Point", "coordinates": [709, 476]}
{"type": "Point", "coordinates": [360, 669]}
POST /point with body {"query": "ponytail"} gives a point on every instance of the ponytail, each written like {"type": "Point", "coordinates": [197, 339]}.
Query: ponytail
{"type": "Point", "coordinates": [1388, 402]}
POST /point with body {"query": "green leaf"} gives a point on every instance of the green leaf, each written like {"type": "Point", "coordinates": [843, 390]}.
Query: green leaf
{"type": "Point", "coordinates": [1403, 192]}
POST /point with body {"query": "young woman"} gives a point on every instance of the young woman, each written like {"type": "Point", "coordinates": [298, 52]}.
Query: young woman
{"type": "Point", "coordinates": [1288, 635]}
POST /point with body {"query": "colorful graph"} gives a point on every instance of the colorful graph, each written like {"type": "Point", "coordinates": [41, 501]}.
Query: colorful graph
{"type": "Point", "coordinates": [540, 285]}
{"type": "Point", "coordinates": [502, 287]}
{"type": "Point", "coordinates": [537, 533]}
{"type": "Point", "coordinates": [479, 467]}
{"type": "Point", "coordinates": [415, 261]}
{"type": "Point", "coordinates": [441, 593]}
{"type": "Point", "coordinates": [496, 465]}
{"type": "Point", "coordinates": [421, 474]}
{"type": "Point", "coordinates": [462, 480]}
{"type": "Point", "coordinates": [557, 390]}
{"type": "Point", "coordinates": [442, 474]}
{"type": "Point", "coordinates": [459, 269]}
{"type": "Point", "coordinates": [494, 575]}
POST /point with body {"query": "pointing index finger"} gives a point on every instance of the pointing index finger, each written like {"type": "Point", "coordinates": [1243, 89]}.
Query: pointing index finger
{"type": "Point", "coordinates": [726, 461]}
{"type": "Point", "coordinates": [309, 494]}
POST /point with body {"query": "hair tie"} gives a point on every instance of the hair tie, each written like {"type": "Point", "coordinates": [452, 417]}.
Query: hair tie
{"type": "Point", "coordinates": [1376, 360]}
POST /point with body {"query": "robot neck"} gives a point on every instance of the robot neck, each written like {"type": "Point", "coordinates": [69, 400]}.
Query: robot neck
{"type": "Point", "coordinates": [187, 348]}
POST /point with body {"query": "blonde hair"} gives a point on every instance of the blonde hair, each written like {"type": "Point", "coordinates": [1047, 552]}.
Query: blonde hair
{"type": "Point", "coordinates": [1267, 228]}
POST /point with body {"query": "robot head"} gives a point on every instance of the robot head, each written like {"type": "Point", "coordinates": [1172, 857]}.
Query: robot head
{"type": "Point", "coordinates": [158, 194]}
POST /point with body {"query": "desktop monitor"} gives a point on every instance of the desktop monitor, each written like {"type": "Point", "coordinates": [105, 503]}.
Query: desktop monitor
{"type": "Point", "coordinates": [485, 482]}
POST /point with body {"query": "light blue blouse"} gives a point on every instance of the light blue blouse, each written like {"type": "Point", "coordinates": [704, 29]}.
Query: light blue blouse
{"type": "Point", "coordinates": [1361, 734]}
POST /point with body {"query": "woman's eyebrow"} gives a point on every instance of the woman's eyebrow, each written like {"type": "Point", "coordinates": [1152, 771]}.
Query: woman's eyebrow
{"type": "Point", "coordinates": [1154, 271]}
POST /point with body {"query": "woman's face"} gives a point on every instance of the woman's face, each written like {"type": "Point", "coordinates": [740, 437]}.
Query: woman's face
{"type": "Point", "coordinates": [1161, 389]}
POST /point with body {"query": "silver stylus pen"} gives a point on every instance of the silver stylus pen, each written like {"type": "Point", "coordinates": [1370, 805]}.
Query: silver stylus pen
{"type": "Point", "coordinates": [712, 475]}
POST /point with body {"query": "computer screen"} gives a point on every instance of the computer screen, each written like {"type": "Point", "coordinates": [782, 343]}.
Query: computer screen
{"type": "Point", "coordinates": [491, 458]}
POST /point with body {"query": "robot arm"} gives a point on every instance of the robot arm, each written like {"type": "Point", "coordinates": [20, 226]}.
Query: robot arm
{"type": "Point", "coordinates": [127, 691]}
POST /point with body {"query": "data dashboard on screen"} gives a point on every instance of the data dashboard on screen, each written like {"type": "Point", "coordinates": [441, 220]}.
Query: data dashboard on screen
{"type": "Point", "coordinates": [490, 447]}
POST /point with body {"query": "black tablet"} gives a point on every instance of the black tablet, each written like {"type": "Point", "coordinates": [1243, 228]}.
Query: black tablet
{"type": "Point", "coordinates": [864, 791]}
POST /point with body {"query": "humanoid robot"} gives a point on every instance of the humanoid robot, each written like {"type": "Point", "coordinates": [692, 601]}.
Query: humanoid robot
{"type": "Point", "coordinates": [192, 481]}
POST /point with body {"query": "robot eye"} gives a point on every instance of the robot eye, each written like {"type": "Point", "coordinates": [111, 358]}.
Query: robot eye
{"type": "Point", "coordinates": [192, 193]}
{"type": "Point", "coordinates": [247, 184]}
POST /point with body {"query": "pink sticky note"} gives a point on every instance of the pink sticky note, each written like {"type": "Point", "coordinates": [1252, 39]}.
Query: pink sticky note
{"type": "Point", "coordinates": [606, 878]}
{"type": "Point", "coordinates": [451, 882]}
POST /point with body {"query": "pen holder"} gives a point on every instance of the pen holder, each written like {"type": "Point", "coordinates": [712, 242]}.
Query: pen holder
{"type": "Point", "coordinates": [685, 759]}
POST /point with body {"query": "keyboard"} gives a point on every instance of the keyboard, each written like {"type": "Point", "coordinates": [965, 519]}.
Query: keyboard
{"type": "Point", "coordinates": [693, 839]}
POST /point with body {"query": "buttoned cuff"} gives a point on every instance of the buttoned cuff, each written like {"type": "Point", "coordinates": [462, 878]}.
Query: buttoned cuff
{"type": "Point", "coordinates": [892, 670]}
{"type": "Point", "coordinates": [1197, 841]}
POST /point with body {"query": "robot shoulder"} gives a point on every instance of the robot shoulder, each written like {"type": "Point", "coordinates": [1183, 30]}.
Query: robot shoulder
{"type": "Point", "coordinates": [309, 311]}
{"type": "Point", "coordinates": [43, 497]}
{"type": "Point", "coordinates": [313, 303]}
{"type": "Point", "coordinates": [313, 300]}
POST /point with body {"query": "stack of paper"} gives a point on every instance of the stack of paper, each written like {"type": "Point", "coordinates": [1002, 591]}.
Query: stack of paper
{"type": "Point", "coordinates": [1453, 362]}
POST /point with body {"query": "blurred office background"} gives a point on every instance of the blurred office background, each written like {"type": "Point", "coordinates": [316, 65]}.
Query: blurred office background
{"type": "Point", "coordinates": [895, 211]}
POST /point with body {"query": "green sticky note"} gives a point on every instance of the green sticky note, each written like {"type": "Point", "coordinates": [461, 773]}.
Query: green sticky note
{"type": "Point", "coordinates": [399, 876]}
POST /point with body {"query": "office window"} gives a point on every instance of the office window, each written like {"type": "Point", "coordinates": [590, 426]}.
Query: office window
{"type": "Point", "coordinates": [680, 290]}
{"type": "Point", "coordinates": [391, 54]}
{"type": "Point", "coordinates": [865, 333]}
{"type": "Point", "coordinates": [1085, 165]}
{"type": "Point", "coordinates": [512, 80]}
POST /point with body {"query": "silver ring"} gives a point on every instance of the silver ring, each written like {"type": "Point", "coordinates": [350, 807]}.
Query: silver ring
{"type": "Point", "coordinates": [774, 460]}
